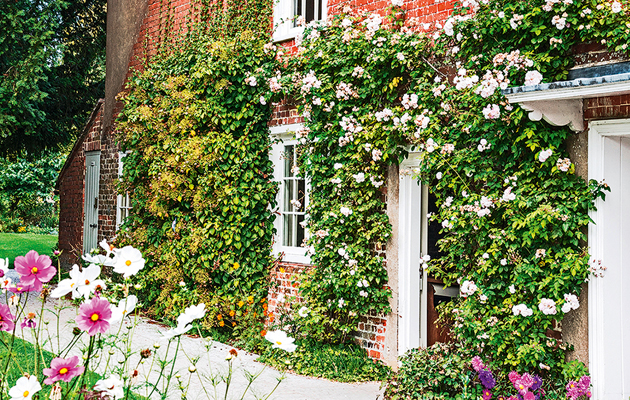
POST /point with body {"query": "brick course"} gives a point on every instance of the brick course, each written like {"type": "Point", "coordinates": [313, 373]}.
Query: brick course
{"type": "Point", "coordinates": [607, 107]}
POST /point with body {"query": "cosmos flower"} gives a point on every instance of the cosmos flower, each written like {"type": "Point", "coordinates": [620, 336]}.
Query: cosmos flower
{"type": "Point", "coordinates": [63, 370]}
{"type": "Point", "coordinates": [35, 270]}
{"type": "Point", "coordinates": [25, 388]}
{"type": "Point", "coordinates": [94, 316]}
{"type": "Point", "coordinates": [6, 318]}
{"type": "Point", "coordinates": [280, 340]}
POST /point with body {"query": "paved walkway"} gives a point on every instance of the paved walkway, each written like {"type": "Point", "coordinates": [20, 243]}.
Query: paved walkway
{"type": "Point", "coordinates": [211, 365]}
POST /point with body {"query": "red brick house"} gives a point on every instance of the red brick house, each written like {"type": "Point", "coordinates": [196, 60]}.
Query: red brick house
{"type": "Point", "coordinates": [595, 102]}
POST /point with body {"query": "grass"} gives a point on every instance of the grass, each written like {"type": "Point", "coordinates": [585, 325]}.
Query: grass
{"type": "Point", "coordinates": [18, 244]}
{"type": "Point", "coordinates": [24, 360]}
{"type": "Point", "coordinates": [341, 362]}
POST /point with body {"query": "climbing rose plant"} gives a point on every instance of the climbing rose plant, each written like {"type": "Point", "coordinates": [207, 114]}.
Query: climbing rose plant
{"type": "Point", "coordinates": [512, 211]}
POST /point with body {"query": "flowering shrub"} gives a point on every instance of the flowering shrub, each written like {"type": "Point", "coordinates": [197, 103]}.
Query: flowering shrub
{"type": "Point", "coordinates": [199, 171]}
{"type": "Point", "coordinates": [512, 210]}
{"type": "Point", "coordinates": [446, 371]}
{"type": "Point", "coordinates": [99, 338]}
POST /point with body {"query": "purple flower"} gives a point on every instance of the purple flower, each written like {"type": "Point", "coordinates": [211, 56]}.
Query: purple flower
{"type": "Point", "coordinates": [487, 380]}
{"type": "Point", "coordinates": [537, 383]}
{"type": "Point", "coordinates": [94, 316]}
{"type": "Point", "coordinates": [6, 318]}
{"type": "Point", "coordinates": [29, 321]}
{"type": "Point", "coordinates": [34, 269]}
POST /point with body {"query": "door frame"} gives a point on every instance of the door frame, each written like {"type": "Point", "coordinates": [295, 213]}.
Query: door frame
{"type": "Point", "coordinates": [87, 194]}
{"type": "Point", "coordinates": [598, 132]}
{"type": "Point", "coordinates": [412, 228]}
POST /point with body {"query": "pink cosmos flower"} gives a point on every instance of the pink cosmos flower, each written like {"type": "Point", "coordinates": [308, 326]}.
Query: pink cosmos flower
{"type": "Point", "coordinates": [94, 316]}
{"type": "Point", "coordinates": [22, 288]}
{"type": "Point", "coordinates": [34, 269]}
{"type": "Point", "coordinates": [6, 318]}
{"type": "Point", "coordinates": [529, 396]}
{"type": "Point", "coordinates": [63, 370]}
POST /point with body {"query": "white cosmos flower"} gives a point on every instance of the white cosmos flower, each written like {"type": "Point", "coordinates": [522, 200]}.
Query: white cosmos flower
{"type": "Point", "coordinates": [192, 313]}
{"type": "Point", "coordinates": [124, 308]}
{"type": "Point", "coordinates": [128, 261]}
{"type": "Point", "coordinates": [98, 259]}
{"type": "Point", "coordinates": [280, 340]}
{"type": "Point", "coordinates": [112, 387]}
{"type": "Point", "coordinates": [25, 388]}
{"type": "Point", "coordinates": [173, 332]}
{"type": "Point", "coordinates": [88, 282]}
{"type": "Point", "coordinates": [303, 312]}
{"type": "Point", "coordinates": [69, 285]}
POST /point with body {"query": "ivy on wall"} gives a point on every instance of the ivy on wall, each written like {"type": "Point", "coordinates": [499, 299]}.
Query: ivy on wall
{"type": "Point", "coordinates": [199, 173]}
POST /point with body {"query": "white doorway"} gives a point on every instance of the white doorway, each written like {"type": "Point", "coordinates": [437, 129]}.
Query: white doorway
{"type": "Point", "coordinates": [90, 200]}
{"type": "Point", "coordinates": [609, 241]}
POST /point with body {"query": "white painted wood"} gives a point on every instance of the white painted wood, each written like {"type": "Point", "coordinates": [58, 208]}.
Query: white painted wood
{"type": "Point", "coordinates": [285, 135]}
{"type": "Point", "coordinates": [90, 200]}
{"type": "Point", "coordinates": [611, 88]}
{"type": "Point", "coordinates": [609, 240]}
{"type": "Point", "coordinates": [556, 112]}
{"type": "Point", "coordinates": [409, 247]}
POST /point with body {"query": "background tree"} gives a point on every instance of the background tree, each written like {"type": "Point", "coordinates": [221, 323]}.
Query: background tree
{"type": "Point", "coordinates": [52, 62]}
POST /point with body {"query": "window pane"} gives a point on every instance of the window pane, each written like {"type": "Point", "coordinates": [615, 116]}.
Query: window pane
{"type": "Point", "coordinates": [289, 194]}
{"type": "Point", "coordinates": [310, 10]}
{"type": "Point", "coordinates": [297, 10]}
{"type": "Point", "coordinates": [300, 230]}
{"type": "Point", "coordinates": [301, 193]}
{"type": "Point", "coordinates": [289, 152]}
{"type": "Point", "coordinates": [288, 231]}
{"type": "Point", "coordinates": [319, 10]}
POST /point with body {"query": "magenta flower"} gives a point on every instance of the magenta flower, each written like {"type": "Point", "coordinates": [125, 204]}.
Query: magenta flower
{"type": "Point", "coordinates": [63, 370]}
{"type": "Point", "coordinates": [21, 288]}
{"type": "Point", "coordinates": [94, 316]}
{"type": "Point", "coordinates": [529, 396]}
{"type": "Point", "coordinates": [35, 270]}
{"type": "Point", "coordinates": [29, 321]}
{"type": "Point", "coordinates": [486, 394]}
{"type": "Point", "coordinates": [524, 383]}
{"type": "Point", "coordinates": [514, 376]}
{"type": "Point", "coordinates": [477, 363]}
{"type": "Point", "coordinates": [6, 318]}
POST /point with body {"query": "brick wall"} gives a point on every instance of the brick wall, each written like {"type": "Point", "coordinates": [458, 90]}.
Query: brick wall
{"type": "Point", "coordinates": [607, 107]}
{"type": "Point", "coordinates": [71, 189]}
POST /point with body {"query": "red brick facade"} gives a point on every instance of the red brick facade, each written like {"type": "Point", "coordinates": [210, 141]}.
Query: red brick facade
{"type": "Point", "coordinates": [607, 107]}
{"type": "Point", "coordinates": [164, 20]}
{"type": "Point", "coordinates": [71, 188]}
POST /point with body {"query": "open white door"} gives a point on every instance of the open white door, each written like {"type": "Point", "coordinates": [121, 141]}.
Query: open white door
{"type": "Point", "coordinates": [609, 241]}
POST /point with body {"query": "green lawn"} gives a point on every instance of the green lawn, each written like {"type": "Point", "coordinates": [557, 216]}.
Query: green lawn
{"type": "Point", "coordinates": [24, 360]}
{"type": "Point", "coordinates": [18, 244]}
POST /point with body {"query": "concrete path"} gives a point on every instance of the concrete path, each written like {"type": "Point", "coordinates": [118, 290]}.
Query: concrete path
{"type": "Point", "coordinates": [209, 359]}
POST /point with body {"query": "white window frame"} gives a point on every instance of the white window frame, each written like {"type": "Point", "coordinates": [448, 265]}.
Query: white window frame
{"type": "Point", "coordinates": [123, 202]}
{"type": "Point", "coordinates": [283, 14]}
{"type": "Point", "coordinates": [284, 135]}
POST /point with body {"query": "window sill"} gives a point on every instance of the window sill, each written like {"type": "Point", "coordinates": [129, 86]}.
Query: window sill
{"type": "Point", "coordinates": [292, 255]}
